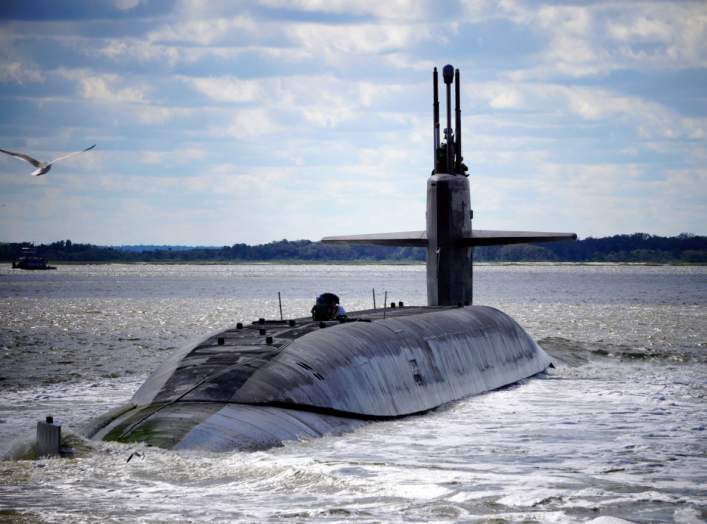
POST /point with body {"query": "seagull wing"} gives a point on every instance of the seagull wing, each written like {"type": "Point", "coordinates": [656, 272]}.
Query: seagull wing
{"type": "Point", "coordinates": [35, 163]}
{"type": "Point", "coordinates": [72, 154]}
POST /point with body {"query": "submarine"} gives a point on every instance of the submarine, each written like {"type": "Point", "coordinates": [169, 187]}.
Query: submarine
{"type": "Point", "coordinates": [257, 385]}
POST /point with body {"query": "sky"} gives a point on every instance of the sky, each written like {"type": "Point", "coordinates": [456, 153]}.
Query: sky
{"type": "Point", "coordinates": [234, 121]}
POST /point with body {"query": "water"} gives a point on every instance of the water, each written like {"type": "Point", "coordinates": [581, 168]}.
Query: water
{"type": "Point", "coordinates": [617, 432]}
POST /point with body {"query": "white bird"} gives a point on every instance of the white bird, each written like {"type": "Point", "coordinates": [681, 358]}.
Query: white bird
{"type": "Point", "coordinates": [43, 167]}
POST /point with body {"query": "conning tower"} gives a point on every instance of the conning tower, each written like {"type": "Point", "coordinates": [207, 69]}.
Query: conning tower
{"type": "Point", "coordinates": [449, 237]}
{"type": "Point", "coordinates": [449, 261]}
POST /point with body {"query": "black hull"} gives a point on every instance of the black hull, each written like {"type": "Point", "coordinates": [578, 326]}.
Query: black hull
{"type": "Point", "coordinates": [238, 389]}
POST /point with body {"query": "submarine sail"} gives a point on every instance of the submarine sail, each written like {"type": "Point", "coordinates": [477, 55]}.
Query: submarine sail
{"type": "Point", "coordinates": [449, 237]}
{"type": "Point", "coordinates": [257, 385]}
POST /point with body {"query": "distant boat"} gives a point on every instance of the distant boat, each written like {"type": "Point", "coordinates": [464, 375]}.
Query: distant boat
{"type": "Point", "coordinates": [30, 260]}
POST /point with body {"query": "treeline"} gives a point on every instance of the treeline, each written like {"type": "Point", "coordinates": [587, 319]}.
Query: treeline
{"type": "Point", "coordinates": [638, 247]}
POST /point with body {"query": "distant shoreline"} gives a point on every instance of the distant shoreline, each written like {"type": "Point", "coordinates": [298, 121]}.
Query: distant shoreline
{"type": "Point", "coordinates": [60, 263]}
{"type": "Point", "coordinates": [635, 248]}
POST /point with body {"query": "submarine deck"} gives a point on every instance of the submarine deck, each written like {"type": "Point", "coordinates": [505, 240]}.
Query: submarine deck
{"type": "Point", "coordinates": [203, 377]}
{"type": "Point", "coordinates": [220, 363]}
{"type": "Point", "coordinates": [250, 336]}
{"type": "Point", "coordinates": [256, 385]}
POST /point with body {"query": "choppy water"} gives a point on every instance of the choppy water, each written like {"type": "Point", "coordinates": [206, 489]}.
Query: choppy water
{"type": "Point", "coordinates": [618, 432]}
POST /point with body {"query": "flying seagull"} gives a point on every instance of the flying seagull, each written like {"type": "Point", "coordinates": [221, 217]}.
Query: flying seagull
{"type": "Point", "coordinates": [43, 167]}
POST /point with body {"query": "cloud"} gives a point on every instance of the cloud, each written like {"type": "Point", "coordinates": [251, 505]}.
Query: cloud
{"type": "Point", "coordinates": [206, 31]}
{"type": "Point", "coordinates": [142, 51]}
{"type": "Point", "coordinates": [108, 87]}
{"type": "Point", "coordinates": [641, 29]}
{"type": "Point", "coordinates": [505, 97]}
{"type": "Point", "coordinates": [590, 199]}
{"type": "Point", "coordinates": [126, 5]}
{"type": "Point", "coordinates": [19, 73]}
{"type": "Point", "coordinates": [251, 123]}
{"type": "Point", "coordinates": [596, 39]}
{"type": "Point", "coordinates": [569, 20]}
{"type": "Point", "coordinates": [104, 87]}
{"type": "Point", "coordinates": [131, 51]}
{"type": "Point", "coordinates": [329, 41]}
{"type": "Point", "coordinates": [568, 31]}
{"type": "Point", "coordinates": [406, 60]}
{"type": "Point", "coordinates": [395, 9]}
{"type": "Point", "coordinates": [650, 119]}
{"type": "Point", "coordinates": [225, 89]}
{"type": "Point", "coordinates": [660, 37]}
{"type": "Point", "coordinates": [173, 157]}
{"type": "Point", "coordinates": [154, 114]}
{"type": "Point", "coordinates": [279, 103]}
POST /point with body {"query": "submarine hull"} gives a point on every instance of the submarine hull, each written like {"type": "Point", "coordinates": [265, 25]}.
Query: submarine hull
{"type": "Point", "coordinates": [235, 391]}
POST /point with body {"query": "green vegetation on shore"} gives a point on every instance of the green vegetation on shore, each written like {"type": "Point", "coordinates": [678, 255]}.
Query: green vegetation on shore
{"type": "Point", "coordinates": [638, 247]}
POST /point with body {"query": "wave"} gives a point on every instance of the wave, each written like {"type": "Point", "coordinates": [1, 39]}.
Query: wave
{"type": "Point", "coordinates": [576, 353]}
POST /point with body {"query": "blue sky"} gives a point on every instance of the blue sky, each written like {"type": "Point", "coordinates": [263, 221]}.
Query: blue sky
{"type": "Point", "coordinates": [226, 121]}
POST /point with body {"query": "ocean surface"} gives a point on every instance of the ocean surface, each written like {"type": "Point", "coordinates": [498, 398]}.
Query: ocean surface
{"type": "Point", "coordinates": [615, 433]}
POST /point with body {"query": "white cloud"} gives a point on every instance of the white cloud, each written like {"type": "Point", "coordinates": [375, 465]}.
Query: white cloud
{"type": "Point", "coordinates": [384, 161]}
{"type": "Point", "coordinates": [183, 155]}
{"type": "Point", "coordinates": [154, 114]}
{"type": "Point", "coordinates": [356, 39]}
{"type": "Point", "coordinates": [251, 123]}
{"type": "Point", "coordinates": [108, 87]}
{"type": "Point", "coordinates": [641, 29]}
{"type": "Point", "coordinates": [393, 9]}
{"type": "Point", "coordinates": [225, 89]}
{"type": "Point", "coordinates": [206, 31]}
{"type": "Point", "coordinates": [104, 87]}
{"type": "Point", "coordinates": [649, 118]}
{"type": "Point", "coordinates": [575, 19]}
{"type": "Point", "coordinates": [593, 200]}
{"type": "Point", "coordinates": [505, 97]}
{"type": "Point", "coordinates": [126, 5]}
{"type": "Point", "coordinates": [408, 61]}
{"type": "Point", "coordinates": [143, 51]}
{"type": "Point", "coordinates": [19, 73]}
{"type": "Point", "coordinates": [171, 55]}
{"type": "Point", "coordinates": [657, 36]}
{"type": "Point", "coordinates": [569, 34]}
{"type": "Point", "coordinates": [595, 39]}
{"type": "Point", "coordinates": [321, 101]}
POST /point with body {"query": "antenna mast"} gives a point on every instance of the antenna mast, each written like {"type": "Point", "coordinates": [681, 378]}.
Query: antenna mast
{"type": "Point", "coordinates": [448, 75]}
{"type": "Point", "coordinates": [458, 125]}
{"type": "Point", "coordinates": [435, 119]}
